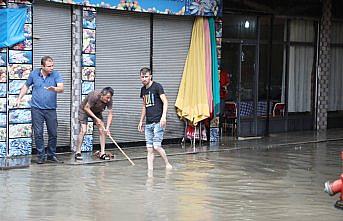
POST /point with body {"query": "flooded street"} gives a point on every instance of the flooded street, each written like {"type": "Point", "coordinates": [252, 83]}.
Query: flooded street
{"type": "Point", "coordinates": [283, 183]}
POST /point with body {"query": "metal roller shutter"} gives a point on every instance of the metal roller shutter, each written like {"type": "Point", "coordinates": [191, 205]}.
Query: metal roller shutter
{"type": "Point", "coordinates": [122, 48]}
{"type": "Point", "coordinates": [171, 40]}
{"type": "Point", "coordinates": [54, 39]}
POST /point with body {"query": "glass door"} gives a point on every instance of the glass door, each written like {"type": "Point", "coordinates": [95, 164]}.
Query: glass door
{"type": "Point", "coordinates": [247, 92]}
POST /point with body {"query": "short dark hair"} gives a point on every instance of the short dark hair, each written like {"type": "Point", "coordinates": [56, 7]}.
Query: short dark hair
{"type": "Point", "coordinates": [145, 70]}
{"type": "Point", "coordinates": [107, 90]}
{"type": "Point", "coordinates": [44, 59]}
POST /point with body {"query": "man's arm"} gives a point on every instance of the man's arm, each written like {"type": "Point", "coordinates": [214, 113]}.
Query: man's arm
{"type": "Point", "coordinates": [109, 119]}
{"type": "Point", "coordinates": [140, 125]}
{"type": "Point", "coordinates": [90, 113]}
{"type": "Point", "coordinates": [58, 89]}
{"type": "Point", "coordinates": [163, 121]}
{"type": "Point", "coordinates": [23, 91]}
{"type": "Point", "coordinates": [25, 88]}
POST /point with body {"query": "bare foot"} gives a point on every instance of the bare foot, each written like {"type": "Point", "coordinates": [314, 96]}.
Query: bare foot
{"type": "Point", "coordinates": [169, 166]}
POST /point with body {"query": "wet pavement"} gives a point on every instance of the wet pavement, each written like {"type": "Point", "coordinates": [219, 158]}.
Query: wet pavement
{"type": "Point", "coordinates": [276, 178]}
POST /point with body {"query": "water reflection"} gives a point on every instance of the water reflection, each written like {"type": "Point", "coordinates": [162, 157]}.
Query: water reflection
{"type": "Point", "coordinates": [261, 184]}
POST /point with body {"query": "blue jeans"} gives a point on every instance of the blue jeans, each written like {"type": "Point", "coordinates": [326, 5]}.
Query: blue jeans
{"type": "Point", "coordinates": [154, 135]}
{"type": "Point", "coordinates": [50, 118]}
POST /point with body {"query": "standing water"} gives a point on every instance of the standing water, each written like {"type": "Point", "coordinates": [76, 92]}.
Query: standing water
{"type": "Point", "coordinates": [248, 184]}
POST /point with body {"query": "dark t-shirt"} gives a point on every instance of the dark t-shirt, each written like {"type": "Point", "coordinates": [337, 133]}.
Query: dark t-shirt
{"type": "Point", "coordinates": [153, 102]}
{"type": "Point", "coordinates": [96, 105]}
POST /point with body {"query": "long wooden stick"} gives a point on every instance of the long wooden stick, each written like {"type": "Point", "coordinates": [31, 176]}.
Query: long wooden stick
{"type": "Point", "coordinates": [121, 149]}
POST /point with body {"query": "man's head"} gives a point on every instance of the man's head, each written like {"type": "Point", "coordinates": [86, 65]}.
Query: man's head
{"type": "Point", "coordinates": [106, 94]}
{"type": "Point", "coordinates": [146, 76]}
{"type": "Point", "coordinates": [47, 65]}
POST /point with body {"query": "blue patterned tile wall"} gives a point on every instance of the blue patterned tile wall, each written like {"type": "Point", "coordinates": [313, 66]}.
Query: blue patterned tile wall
{"type": "Point", "coordinates": [20, 146]}
{"type": "Point", "coordinates": [88, 66]}
{"type": "Point", "coordinates": [15, 121]}
{"type": "Point", "coordinates": [18, 116]}
{"type": "Point", "coordinates": [87, 144]}
{"type": "Point", "coordinates": [3, 149]}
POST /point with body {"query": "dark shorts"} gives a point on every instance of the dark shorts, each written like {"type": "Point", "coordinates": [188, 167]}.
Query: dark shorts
{"type": "Point", "coordinates": [83, 117]}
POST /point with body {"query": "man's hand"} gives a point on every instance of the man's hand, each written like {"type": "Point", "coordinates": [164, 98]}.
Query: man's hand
{"type": "Point", "coordinates": [50, 88]}
{"type": "Point", "coordinates": [58, 89]}
{"type": "Point", "coordinates": [163, 122]}
{"type": "Point", "coordinates": [17, 102]}
{"type": "Point", "coordinates": [140, 127]}
{"type": "Point", "coordinates": [108, 132]}
{"type": "Point", "coordinates": [99, 123]}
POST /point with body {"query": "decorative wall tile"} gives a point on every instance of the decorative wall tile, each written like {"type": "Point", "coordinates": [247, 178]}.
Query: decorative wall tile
{"type": "Point", "coordinates": [3, 102]}
{"type": "Point", "coordinates": [203, 8]}
{"type": "Point", "coordinates": [87, 144]}
{"type": "Point", "coordinates": [3, 90]}
{"type": "Point", "coordinates": [20, 57]}
{"type": "Point", "coordinates": [28, 30]}
{"type": "Point", "coordinates": [83, 96]}
{"type": "Point", "coordinates": [3, 59]}
{"type": "Point", "coordinates": [219, 28]}
{"type": "Point", "coordinates": [88, 73]}
{"type": "Point", "coordinates": [3, 118]}
{"type": "Point", "coordinates": [20, 130]}
{"type": "Point", "coordinates": [88, 60]}
{"type": "Point", "coordinates": [3, 134]}
{"type": "Point", "coordinates": [23, 104]}
{"type": "Point", "coordinates": [24, 45]}
{"type": "Point", "coordinates": [19, 71]}
{"type": "Point", "coordinates": [89, 17]}
{"type": "Point", "coordinates": [87, 87]}
{"type": "Point", "coordinates": [15, 86]}
{"type": "Point", "coordinates": [20, 146]}
{"type": "Point", "coordinates": [3, 75]}
{"type": "Point", "coordinates": [88, 45]}
{"type": "Point", "coordinates": [3, 149]}
{"type": "Point", "coordinates": [90, 128]}
{"type": "Point", "coordinates": [18, 116]}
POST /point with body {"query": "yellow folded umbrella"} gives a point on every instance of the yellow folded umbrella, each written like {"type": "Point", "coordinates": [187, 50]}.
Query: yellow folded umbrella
{"type": "Point", "coordinates": [192, 100]}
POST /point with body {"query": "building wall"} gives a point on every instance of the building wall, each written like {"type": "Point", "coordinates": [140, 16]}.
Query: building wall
{"type": "Point", "coordinates": [324, 66]}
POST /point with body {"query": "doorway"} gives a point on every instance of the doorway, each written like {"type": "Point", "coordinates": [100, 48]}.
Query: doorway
{"type": "Point", "coordinates": [240, 105]}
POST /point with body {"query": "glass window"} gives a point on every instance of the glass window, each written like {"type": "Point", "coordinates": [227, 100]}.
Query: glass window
{"type": "Point", "coordinates": [263, 73]}
{"type": "Point", "coordinates": [230, 68]}
{"type": "Point", "coordinates": [336, 79]}
{"type": "Point", "coordinates": [239, 27]}
{"type": "Point", "coordinates": [277, 85]}
{"type": "Point", "coordinates": [264, 28]}
{"type": "Point", "coordinates": [337, 33]}
{"type": "Point", "coordinates": [279, 29]}
{"type": "Point", "coordinates": [302, 31]}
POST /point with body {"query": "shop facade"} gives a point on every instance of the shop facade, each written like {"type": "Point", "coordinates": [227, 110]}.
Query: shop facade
{"type": "Point", "coordinates": [97, 45]}
{"type": "Point", "coordinates": [281, 59]}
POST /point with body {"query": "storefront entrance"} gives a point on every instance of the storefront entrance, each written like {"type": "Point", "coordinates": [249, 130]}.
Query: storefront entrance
{"type": "Point", "coordinates": [267, 72]}
{"type": "Point", "coordinates": [241, 102]}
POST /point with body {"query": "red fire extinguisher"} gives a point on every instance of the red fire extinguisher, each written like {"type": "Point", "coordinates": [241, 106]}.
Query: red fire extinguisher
{"type": "Point", "coordinates": [336, 187]}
